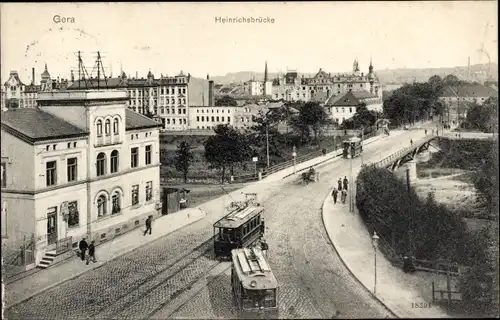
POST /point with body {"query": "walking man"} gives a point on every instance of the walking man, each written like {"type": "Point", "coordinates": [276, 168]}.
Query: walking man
{"type": "Point", "coordinates": [425, 131]}
{"type": "Point", "coordinates": [83, 246]}
{"type": "Point", "coordinates": [411, 141]}
{"type": "Point", "coordinates": [91, 252]}
{"type": "Point", "coordinates": [343, 196]}
{"type": "Point", "coordinates": [340, 184]}
{"type": "Point", "coordinates": [264, 246]}
{"type": "Point", "coordinates": [148, 225]}
{"type": "Point", "coordinates": [346, 183]}
{"type": "Point", "coordinates": [334, 195]}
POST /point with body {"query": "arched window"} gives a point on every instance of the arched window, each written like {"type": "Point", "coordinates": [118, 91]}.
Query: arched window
{"type": "Point", "coordinates": [101, 164]}
{"type": "Point", "coordinates": [99, 128]}
{"type": "Point", "coordinates": [116, 203]}
{"type": "Point", "coordinates": [102, 203]}
{"type": "Point", "coordinates": [114, 161]}
{"type": "Point", "coordinates": [107, 127]}
{"type": "Point", "coordinates": [115, 126]}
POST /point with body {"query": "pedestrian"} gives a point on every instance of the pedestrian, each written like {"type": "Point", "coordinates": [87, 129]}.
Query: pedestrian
{"type": "Point", "coordinates": [148, 225]}
{"type": "Point", "coordinates": [425, 131]}
{"type": "Point", "coordinates": [91, 252]}
{"type": "Point", "coordinates": [411, 141]}
{"type": "Point", "coordinates": [83, 246]}
{"type": "Point", "coordinates": [264, 246]}
{"type": "Point", "coordinates": [334, 195]}
{"type": "Point", "coordinates": [340, 184]}
{"type": "Point", "coordinates": [346, 183]}
{"type": "Point", "coordinates": [323, 151]}
{"type": "Point", "coordinates": [343, 196]}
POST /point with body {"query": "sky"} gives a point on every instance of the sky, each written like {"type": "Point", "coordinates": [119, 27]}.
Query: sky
{"type": "Point", "coordinates": [169, 37]}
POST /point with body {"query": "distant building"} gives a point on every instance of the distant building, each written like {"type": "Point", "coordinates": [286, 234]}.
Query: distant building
{"type": "Point", "coordinates": [16, 94]}
{"type": "Point", "coordinates": [166, 99]}
{"type": "Point", "coordinates": [324, 86]}
{"type": "Point", "coordinates": [344, 107]}
{"type": "Point", "coordinates": [80, 165]}
{"type": "Point", "coordinates": [457, 98]}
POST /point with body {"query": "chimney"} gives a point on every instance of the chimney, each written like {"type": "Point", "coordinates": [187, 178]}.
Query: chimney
{"type": "Point", "coordinates": [211, 100]}
{"type": "Point", "coordinates": [32, 76]}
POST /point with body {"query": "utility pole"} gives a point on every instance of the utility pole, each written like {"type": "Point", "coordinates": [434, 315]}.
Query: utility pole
{"type": "Point", "coordinates": [267, 143]}
{"type": "Point", "coordinates": [351, 205]}
{"type": "Point", "coordinates": [410, 230]}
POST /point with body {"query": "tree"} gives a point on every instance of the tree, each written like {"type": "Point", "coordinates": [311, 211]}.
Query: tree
{"type": "Point", "coordinates": [183, 158]}
{"type": "Point", "coordinates": [313, 117]}
{"type": "Point", "coordinates": [226, 101]}
{"type": "Point", "coordinates": [257, 136]}
{"type": "Point", "coordinates": [435, 81]}
{"type": "Point", "coordinates": [363, 118]}
{"type": "Point", "coordinates": [226, 148]}
{"type": "Point", "coordinates": [451, 80]}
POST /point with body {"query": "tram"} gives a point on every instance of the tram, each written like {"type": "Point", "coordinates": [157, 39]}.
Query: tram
{"type": "Point", "coordinates": [255, 289]}
{"type": "Point", "coordinates": [352, 148]}
{"type": "Point", "coordinates": [242, 227]}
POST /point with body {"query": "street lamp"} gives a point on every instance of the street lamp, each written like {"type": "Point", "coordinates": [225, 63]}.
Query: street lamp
{"type": "Point", "coordinates": [267, 144]}
{"type": "Point", "coordinates": [294, 154]}
{"type": "Point", "coordinates": [375, 238]}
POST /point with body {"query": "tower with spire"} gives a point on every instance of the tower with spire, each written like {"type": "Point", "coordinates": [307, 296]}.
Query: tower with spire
{"type": "Point", "coordinates": [45, 82]}
{"type": "Point", "coordinates": [265, 80]}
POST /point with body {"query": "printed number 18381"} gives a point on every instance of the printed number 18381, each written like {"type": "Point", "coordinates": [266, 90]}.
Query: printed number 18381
{"type": "Point", "coordinates": [419, 305]}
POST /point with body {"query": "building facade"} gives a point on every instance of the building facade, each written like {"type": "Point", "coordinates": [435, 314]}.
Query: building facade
{"type": "Point", "coordinates": [456, 99]}
{"type": "Point", "coordinates": [16, 94]}
{"type": "Point", "coordinates": [344, 106]}
{"type": "Point", "coordinates": [324, 86]}
{"type": "Point", "coordinates": [166, 99]}
{"type": "Point", "coordinates": [89, 168]}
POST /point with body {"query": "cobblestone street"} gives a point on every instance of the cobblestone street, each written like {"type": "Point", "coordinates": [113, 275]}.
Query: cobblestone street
{"type": "Point", "coordinates": [313, 281]}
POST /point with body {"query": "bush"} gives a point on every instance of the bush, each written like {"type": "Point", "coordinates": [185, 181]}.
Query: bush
{"type": "Point", "coordinates": [384, 203]}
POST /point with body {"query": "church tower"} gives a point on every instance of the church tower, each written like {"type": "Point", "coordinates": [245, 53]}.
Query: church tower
{"type": "Point", "coordinates": [355, 67]}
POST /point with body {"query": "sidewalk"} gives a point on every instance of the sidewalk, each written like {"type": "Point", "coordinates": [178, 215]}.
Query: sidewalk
{"type": "Point", "coordinates": [396, 289]}
{"type": "Point", "coordinates": [43, 280]}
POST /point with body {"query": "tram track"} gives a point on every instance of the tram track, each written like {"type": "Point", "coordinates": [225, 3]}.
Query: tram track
{"type": "Point", "coordinates": [145, 287]}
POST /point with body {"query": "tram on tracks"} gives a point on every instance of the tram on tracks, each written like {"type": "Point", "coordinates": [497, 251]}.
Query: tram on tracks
{"type": "Point", "coordinates": [352, 148]}
{"type": "Point", "coordinates": [242, 227]}
{"type": "Point", "coordinates": [254, 286]}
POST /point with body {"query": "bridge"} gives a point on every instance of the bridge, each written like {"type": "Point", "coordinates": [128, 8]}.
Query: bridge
{"type": "Point", "coordinates": [407, 154]}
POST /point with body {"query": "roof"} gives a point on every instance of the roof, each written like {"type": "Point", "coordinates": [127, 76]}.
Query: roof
{"type": "Point", "coordinates": [136, 121]}
{"type": "Point", "coordinates": [468, 90]}
{"type": "Point", "coordinates": [252, 269]}
{"type": "Point", "coordinates": [351, 98]}
{"type": "Point", "coordinates": [238, 217]}
{"type": "Point", "coordinates": [15, 75]}
{"type": "Point", "coordinates": [48, 126]}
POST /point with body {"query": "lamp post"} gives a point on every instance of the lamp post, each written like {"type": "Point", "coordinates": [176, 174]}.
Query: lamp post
{"type": "Point", "coordinates": [351, 205]}
{"type": "Point", "coordinates": [375, 238]}
{"type": "Point", "coordinates": [294, 154]}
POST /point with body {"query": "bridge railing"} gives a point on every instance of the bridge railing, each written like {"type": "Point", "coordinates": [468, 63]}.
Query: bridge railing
{"type": "Point", "coordinates": [398, 154]}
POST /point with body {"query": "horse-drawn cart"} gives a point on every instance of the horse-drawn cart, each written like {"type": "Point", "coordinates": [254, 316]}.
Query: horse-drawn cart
{"type": "Point", "coordinates": [309, 176]}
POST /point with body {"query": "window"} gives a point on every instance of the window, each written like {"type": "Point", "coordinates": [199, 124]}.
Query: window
{"type": "Point", "coordinates": [114, 161]}
{"type": "Point", "coordinates": [51, 173]}
{"type": "Point", "coordinates": [72, 164]}
{"type": "Point", "coordinates": [101, 206]}
{"type": "Point", "coordinates": [149, 190]}
{"type": "Point", "coordinates": [213, 118]}
{"type": "Point", "coordinates": [73, 214]}
{"type": "Point", "coordinates": [115, 126]}
{"type": "Point", "coordinates": [116, 203]}
{"type": "Point", "coordinates": [198, 118]}
{"type": "Point", "coordinates": [134, 157]}
{"type": "Point", "coordinates": [350, 110]}
{"type": "Point", "coordinates": [107, 127]}
{"type": "Point", "coordinates": [135, 194]}
{"type": "Point", "coordinates": [101, 164]}
{"type": "Point", "coordinates": [4, 174]}
{"type": "Point", "coordinates": [99, 128]}
{"type": "Point", "coordinates": [148, 155]}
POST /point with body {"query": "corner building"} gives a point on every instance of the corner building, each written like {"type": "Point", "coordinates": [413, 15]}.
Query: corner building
{"type": "Point", "coordinates": [80, 165]}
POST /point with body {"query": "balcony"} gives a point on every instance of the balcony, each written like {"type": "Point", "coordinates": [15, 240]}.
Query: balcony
{"type": "Point", "coordinates": [107, 140]}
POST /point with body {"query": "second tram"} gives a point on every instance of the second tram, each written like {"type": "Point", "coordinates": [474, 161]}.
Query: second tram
{"type": "Point", "coordinates": [352, 148]}
{"type": "Point", "coordinates": [240, 228]}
